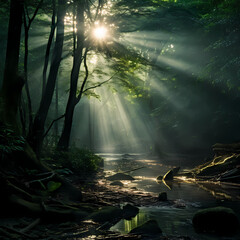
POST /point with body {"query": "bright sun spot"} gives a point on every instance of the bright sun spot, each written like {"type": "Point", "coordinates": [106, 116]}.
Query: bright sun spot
{"type": "Point", "coordinates": [100, 33]}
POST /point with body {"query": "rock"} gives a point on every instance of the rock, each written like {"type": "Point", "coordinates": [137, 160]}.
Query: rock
{"type": "Point", "coordinates": [120, 176]}
{"type": "Point", "coordinates": [117, 183]}
{"type": "Point", "coordinates": [129, 211]}
{"type": "Point", "coordinates": [150, 227]}
{"type": "Point", "coordinates": [159, 178]}
{"type": "Point", "coordinates": [168, 176]}
{"type": "Point", "coordinates": [218, 220]}
{"type": "Point", "coordinates": [106, 214]}
{"type": "Point", "coordinates": [176, 170]}
{"type": "Point", "coordinates": [162, 196]}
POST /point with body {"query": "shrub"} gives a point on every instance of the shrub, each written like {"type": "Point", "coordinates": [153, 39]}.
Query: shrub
{"type": "Point", "coordinates": [10, 142]}
{"type": "Point", "coordinates": [78, 160]}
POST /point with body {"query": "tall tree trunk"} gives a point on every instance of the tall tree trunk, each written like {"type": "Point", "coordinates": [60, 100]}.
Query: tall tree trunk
{"type": "Point", "coordinates": [26, 37]}
{"type": "Point", "coordinates": [37, 134]}
{"type": "Point", "coordinates": [50, 40]}
{"type": "Point", "coordinates": [77, 61]}
{"type": "Point", "coordinates": [12, 83]}
{"type": "Point", "coordinates": [56, 113]}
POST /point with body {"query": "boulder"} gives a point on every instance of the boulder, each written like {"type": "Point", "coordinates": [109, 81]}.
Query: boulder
{"type": "Point", "coordinates": [106, 214]}
{"type": "Point", "coordinates": [148, 228]}
{"type": "Point", "coordinates": [129, 211]}
{"type": "Point", "coordinates": [162, 196]}
{"type": "Point", "coordinates": [218, 220]}
{"type": "Point", "coordinates": [120, 176]}
{"type": "Point", "coordinates": [168, 176]}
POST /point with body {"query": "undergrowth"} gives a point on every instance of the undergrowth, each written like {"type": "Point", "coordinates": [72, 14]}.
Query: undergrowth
{"type": "Point", "coordinates": [80, 161]}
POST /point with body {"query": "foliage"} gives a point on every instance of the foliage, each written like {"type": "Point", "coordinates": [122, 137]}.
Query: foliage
{"type": "Point", "coordinates": [81, 161]}
{"type": "Point", "coordinates": [221, 23]}
{"type": "Point", "coordinates": [52, 186]}
{"type": "Point", "coordinates": [10, 142]}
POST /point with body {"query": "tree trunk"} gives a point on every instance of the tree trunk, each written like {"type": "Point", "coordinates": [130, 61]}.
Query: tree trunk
{"type": "Point", "coordinates": [26, 28]}
{"type": "Point", "coordinates": [12, 83]}
{"type": "Point", "coordinates": [37, 133]}
{"type": "Point", "coordinates": [49, 44]}
{"type": "Point", "coordinates": [56, 113]}
{"type": "Point", "coordinates": [72, 99]}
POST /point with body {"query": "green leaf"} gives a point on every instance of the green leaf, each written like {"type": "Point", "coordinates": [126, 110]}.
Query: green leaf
{"type": "Point", "coordinates": [52, 186]}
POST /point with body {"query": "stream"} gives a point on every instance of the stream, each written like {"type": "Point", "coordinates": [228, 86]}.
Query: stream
{"type": "Point", "coordinates": [188, 195]}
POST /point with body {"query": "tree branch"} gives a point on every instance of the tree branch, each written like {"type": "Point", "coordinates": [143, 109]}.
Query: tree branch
{"type": "Point", "coordinates": [55, 120]}
{"type": "Point", "coordinates": [35, 12]}
{"type": "Point", "coordinates": [99, 8]}
{"type": "Point", "coordinates": [100, 84]}
{"type": "Point", "coordinates": [85, 78]}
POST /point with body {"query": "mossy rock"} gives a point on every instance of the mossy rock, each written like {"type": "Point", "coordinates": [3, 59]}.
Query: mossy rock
{"type": "Point", "coordinates": [218, 220]}
{"type": "Point", "coordinates": [148, 228]}
{"type": "Point", "coordinates": [106, 214]}
{"type": "Point", "coordinates": [129, 211]}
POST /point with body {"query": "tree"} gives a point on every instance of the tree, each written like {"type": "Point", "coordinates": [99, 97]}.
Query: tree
{"type": "Point", "coordinates": [27, 24]}
{"type": "Point", "coordinates": [12, 82]}
{"type": "Point", "coordinates": [78, 56]}
{"type": "Point", "coordinates": [20, 158]}
{"type": "Point", "coordinates": [36, 135]}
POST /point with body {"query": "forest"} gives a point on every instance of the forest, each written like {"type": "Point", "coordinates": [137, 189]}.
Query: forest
{"type": "Point", "coordinates": [119, 119]}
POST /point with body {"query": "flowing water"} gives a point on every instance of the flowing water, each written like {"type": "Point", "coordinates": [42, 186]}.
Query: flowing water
{"type": "Point", "coordinates": [189, 196]}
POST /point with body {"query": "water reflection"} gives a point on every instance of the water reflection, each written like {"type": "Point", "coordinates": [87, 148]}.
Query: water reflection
{"type": "Point", "coordinates": [190, 194]}
{"type": "Point", "coordinates": [141, 218]}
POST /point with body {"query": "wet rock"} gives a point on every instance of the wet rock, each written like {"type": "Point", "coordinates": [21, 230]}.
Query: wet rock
{"type": "Point", "coordinates": [175, 170]}
{"type": "Point", "coordinates": [106, 214]}
{"type": "Point", "coordinates": [218, 220]}
{"type": "Point", "coordinates": [120, 176]}
{"type": "Point", "coordinates": [117, 183]}
{"type": "Point", "coordinates": [162, 196]}
{"type": "Point", "coordinates": [129, 211]}
{"type": "Point", "coordinates": [159, 178]}
{"type": "Point", "coordinates": [168, 176]}
{"type": "Point", "coordinates": [180, 204]}
{"type": "Point", "coordinates": [148, 228]}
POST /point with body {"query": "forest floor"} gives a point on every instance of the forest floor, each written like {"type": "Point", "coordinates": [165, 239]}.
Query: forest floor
{"type": "Point", "coordinates": [97, 194]}
{"type": "Point", "coordinates": [102, 206]}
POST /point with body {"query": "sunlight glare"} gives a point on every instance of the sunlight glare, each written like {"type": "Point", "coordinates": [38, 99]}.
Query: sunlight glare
{"type": "Point", "coordinates": [100, 33]}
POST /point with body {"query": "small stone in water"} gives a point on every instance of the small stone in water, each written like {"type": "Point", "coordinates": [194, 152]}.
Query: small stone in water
{"type": "Point", "coordinates": [162, 196]}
